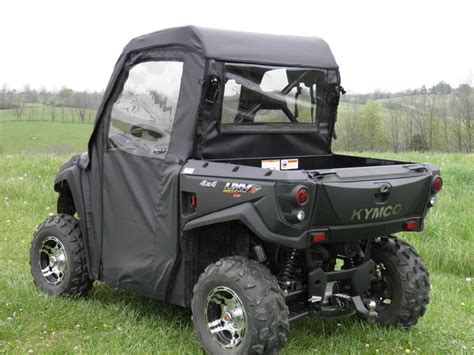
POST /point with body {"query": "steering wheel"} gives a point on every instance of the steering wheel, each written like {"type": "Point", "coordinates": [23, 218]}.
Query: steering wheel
{"type": "Point", "coordinates": [151, 132]}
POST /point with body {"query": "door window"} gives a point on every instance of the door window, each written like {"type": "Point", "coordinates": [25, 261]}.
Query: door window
{"type": "Point", "coordinates": [142, 117]}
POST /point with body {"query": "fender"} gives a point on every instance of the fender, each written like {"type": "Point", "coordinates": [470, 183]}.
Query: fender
{"type": "Point", "coordinates": [70, 174]}
{"type": "Point", "coordinates": [248, 215]}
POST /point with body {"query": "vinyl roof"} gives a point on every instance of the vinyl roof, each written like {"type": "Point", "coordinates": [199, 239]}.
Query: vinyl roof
{"type": "Point", "coordinates": [242, 46]}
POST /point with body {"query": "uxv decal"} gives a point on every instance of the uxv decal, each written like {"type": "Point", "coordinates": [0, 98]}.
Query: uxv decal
{"type": "Point", "coordinates": [237, 188]}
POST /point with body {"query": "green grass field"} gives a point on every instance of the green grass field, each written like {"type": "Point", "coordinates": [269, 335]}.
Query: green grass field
{"type": "Point", "coordinates": [116, 321]}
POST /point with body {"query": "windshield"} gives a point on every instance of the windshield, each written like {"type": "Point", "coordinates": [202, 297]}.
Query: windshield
{"type": "Point", "coordinates": [263, 95]}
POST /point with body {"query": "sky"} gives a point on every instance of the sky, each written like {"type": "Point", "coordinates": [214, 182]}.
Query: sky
{"type": "Point", "coordinates": [387, 45]}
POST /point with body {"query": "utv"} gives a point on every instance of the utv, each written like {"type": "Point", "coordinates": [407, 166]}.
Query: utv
{"type": "Point", "coordinates": [209, 182]}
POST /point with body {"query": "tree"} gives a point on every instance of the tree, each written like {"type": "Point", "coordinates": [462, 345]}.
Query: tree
{"type": "Point", "coordinates": [418, 143]}
{"type": "Point", "coordinates": [348, 127]}
{"type": "Point", "coordinates": [30, 96]}
{"type": "Point", "coordinates": [4, 96]}
{"type": "Point", "coordinates": [408, 107]}
{"type": "Point", "coordinates": [19, 106]}
{"type": "Point", "coordinates": [371, 126]}
{"type": "Point", "coordinates": [429, 106]}
{"type": "Point", "coordinates": [442, 88]}
{"type": "Point", "coordinates": [82, 103]}
{"type": "Point", "coordinates": [65, 97]}
{"type": "Point", "coordinates": [43, 98]}
{"type": "Point", "coordinates": [437, 106]}
{"type": "Point", "coordinates": [52, 110]}
{"type": "Point", "coordinates": [394, 128]}
{"type": "Point", "coordinates": [440, 92]}
{"type": "Point", "coordinates": [465, 110]}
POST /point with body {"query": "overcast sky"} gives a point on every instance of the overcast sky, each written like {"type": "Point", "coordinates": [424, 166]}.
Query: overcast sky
{"type": "Point", "coordinates": [388, 45]}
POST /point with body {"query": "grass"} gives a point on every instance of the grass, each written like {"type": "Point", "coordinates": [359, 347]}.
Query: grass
{"type": "Point", "coordinates": [117, 321]}
{"type": "Point", "coordinates": [43, 137]}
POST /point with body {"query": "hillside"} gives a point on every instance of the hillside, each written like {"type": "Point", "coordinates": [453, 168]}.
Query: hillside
{"type": "Point", "coordinates": [420, 122]}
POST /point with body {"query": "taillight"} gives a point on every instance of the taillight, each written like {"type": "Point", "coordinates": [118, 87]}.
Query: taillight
{"type": "Point", "coordinates": [411, 225]}
{"type": "Point", "coordinates": [302, 196]}
{"type": "Point", "coordinates": [193, 201]}
{"type": "Point", "coordinates": [318, 237]}
{"type": "Point", "coordinates": [437, 184]}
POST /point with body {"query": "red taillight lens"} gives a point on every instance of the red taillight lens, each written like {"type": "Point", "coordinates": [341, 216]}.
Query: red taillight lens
{"type": "Point", "coordinates": [193, 201]}
{"type": "Point", "coordinates": [437, 184]}
{"type": "Point", "coordinates": [410, 225]}
{"type": "Point", "coordinates": [302, 196]}
{"type": "Point", "coordinates": [318, 237]}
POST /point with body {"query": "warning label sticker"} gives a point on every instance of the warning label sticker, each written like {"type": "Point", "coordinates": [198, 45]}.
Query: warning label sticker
{"type": "Point", "coordinates": [271, 164]}
{"type": "Point", "coordinates": [289, 164]}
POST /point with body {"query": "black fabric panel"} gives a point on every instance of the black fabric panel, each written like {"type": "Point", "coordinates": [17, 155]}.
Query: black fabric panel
{"type": "Point", "coordinates": [90, 234]}
{"type": "Point", "coordinates": [242, 46]}
{"type": "Point", "coordinates": [94, 206]}
{"type": "Point", "coordinates": [184, 126]}
{"type": "Point", "coordinates": [168, 236]}
{"type": "Point", "coordinates": [233, 146]}
{"type": "Point", "coordinates": [244, 141]}
{"type": "Point", "coordinates": [133, 199]}
{"type": "Point", "coordinates": [265, 48]}
{"type": "Point", "coordinates": [131, 196]}
{"type": "Point", "coordinates": [187, 36]}
{"type": "Point", "coordinates": [141, 232]}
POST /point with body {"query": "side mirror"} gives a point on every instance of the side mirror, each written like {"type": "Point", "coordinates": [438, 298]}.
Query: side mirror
{"type": "Point", "coordinates": [212, 91]}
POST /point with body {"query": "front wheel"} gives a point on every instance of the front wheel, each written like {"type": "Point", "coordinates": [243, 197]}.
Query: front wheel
{"type": "Point", "coordinates": [57, 258]}
{"type": "Point", "coordinates": [238, 308]}
{"type": "Point", "coordinates": [400, 285]}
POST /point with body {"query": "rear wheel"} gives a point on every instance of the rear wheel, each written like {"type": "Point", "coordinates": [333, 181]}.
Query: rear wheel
{"type": "Point", "coordinates": [57, 258]}
{"type": "Point", "coordinates": [400, 285]}
{"type": "Point", "coordinates": [239, 308]}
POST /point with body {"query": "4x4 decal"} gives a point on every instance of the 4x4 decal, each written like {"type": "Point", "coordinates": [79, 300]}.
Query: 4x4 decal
{"type": "Point", "coordinates": [206, 183]}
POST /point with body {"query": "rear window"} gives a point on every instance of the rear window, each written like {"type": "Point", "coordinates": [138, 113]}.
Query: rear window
{"type": "Point", "coordinates": [268, 95]}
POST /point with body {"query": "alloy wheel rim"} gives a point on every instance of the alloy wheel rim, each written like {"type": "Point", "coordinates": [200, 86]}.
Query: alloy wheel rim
{"type": "Point", "coordinates": [53, 260]}
{"type": "Point", "coordinates": [225, 317]}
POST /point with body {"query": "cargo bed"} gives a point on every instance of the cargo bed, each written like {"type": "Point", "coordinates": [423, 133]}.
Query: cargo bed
{"type": "Point", "coordinates": [327, 161]}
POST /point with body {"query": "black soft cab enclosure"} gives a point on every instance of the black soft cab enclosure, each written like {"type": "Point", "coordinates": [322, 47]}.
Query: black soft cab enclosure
{"type": "Point", "coordinates": [210, 182]}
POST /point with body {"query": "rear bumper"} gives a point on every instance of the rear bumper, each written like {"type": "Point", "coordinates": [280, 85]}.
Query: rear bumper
{"type": "Point", "coordinates": [360, 231]}
{"type": "Point", "coordinates": [359, 278]}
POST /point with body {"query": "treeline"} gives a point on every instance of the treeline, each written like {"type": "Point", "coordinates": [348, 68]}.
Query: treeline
{"type": "Point", "coordinates": [64, 105]}
{"type": "Point", "coordinates": [439, 118]}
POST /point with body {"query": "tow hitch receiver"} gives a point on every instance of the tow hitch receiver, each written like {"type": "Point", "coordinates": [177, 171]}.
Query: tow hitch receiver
{"type": "Point", "coordinates": [356, 302]}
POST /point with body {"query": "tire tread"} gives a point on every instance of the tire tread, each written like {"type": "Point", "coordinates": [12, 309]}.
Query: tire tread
{"type": "Point", "coordinates": [267, 302]}
{"type": "Point", "coordinates": [414, 277]}
{"type": "Point", "coordinates": [79, 283]}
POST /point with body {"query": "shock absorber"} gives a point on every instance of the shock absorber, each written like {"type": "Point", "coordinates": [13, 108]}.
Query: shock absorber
{"type": "Point", "coordinates": [289, 265]}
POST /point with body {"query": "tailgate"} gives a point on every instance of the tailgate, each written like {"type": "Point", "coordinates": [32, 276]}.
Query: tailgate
{"type": "Point", "coordinates": [371, 194]}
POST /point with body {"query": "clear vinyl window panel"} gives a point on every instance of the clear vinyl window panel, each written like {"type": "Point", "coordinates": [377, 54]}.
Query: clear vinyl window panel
{"type": "Point", "coordinates": [263, 95]}
{"type": "Point", "coordinates": [142, 117]}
